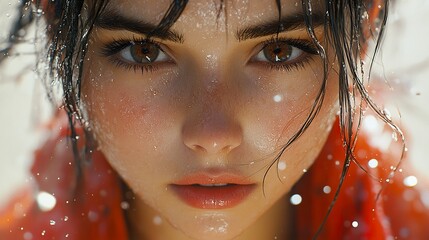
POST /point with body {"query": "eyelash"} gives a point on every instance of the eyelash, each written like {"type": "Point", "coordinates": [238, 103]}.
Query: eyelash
{"type": "Point", "coordinates": [111, 49]}
{"type": "Point", "coordinates": [306, 46]}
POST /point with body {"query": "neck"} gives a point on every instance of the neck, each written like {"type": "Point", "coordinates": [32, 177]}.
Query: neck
{"type": "Point", "coordinates": [146, 223]}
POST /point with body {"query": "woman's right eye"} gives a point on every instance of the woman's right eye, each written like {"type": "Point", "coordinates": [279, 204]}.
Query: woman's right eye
{"type": "Point", "coordinates": [143, 53]}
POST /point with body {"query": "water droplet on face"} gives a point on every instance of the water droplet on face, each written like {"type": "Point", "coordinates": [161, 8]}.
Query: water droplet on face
{"type": "Point", "coordinates": [304, 170]}
{"type": "Point", "coordinates": [281, 166]}
{"type": "Point", "coordinates": [329, 157]}
{"type": "Point", "coordinates": [157, 220]}
{"type": "Point", "coordinates": [373, 163]}
{"type": "Point", "coordinates": [296, 199]}
{"type": "Point", "coordinates": [43, 233]}
{"type": "Point", "coordinates": [278, 98]}
{"type": "Point", "coordinates": [355, 224]}
{"type": "Point", "coordinates": [410, 181]}
{"type": "Point", "coordinates": [52, 222]}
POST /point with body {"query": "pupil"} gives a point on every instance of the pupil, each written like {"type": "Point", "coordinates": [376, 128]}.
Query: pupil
{"type": "Point", "coordinates": [278, 52]}
{"type": "Point", "coordinates": [144, 53]}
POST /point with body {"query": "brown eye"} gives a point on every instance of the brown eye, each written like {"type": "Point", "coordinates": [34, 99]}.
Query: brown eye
{"type": "Point", "coordinates": [143, 53]}
{"type": "Point", "coordinates": [278, 52]}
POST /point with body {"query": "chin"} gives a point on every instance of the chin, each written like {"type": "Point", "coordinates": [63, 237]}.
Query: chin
{"type": "Point", "coordinates": [213, 226]}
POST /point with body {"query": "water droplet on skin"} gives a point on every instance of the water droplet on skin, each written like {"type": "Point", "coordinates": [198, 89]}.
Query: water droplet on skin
{"type": "Point", "coordinates": [410, 181]}
{"type": "Point", "coordinates": [281, 166]}
{"type": "Point", "coordinates": [355, 224]}
{"type": "Point", "coordinates": [304, 170]}
{"type": "Point", "coordinates": [296, 199]}
{"type": "Point", "coordinates": [43, 233]}
{"type": "Point", "coordinates": [329, 157]}
{"type": "Point", "coordinates": [373, 163]}
{"type": "Point", "coordinates": [337, 163]}
{"type": "Point", "coordinates": [52, 222]}
{"type": "Point", "coordinates": [66, 218]}
{"type": "Point", "coordinates": [278, 98]}
{"type": "Point", "coordinates": [157, 220]}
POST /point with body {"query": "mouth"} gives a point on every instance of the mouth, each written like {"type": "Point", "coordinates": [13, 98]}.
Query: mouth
{"type": "Point", "coordinates": [206, 191]}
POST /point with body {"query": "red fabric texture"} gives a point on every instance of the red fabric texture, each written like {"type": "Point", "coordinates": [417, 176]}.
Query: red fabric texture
{"type": "Point", "coordinates": [89, 203]}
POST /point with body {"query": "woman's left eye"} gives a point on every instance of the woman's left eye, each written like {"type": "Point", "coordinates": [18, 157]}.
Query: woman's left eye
{"type": "Point", "coordinates": [143, 53]}
{"type": "Point", "coordinates": [284, 53]}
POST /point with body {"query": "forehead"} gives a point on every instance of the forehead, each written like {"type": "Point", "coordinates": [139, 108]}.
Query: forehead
{"type": "Point", "coordinates": [218, 13]}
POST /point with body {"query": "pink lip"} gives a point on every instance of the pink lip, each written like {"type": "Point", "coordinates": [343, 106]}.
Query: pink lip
{"type": "Point", "coordinates": [190, 191]}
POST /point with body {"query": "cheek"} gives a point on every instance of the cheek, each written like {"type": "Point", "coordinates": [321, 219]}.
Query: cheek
{"type": "Point", "coordinates": [278, 104]}
{"type": "Point", "coordinates": [278, 117]}
{"type": "Point", "coordinates": [121, 107]}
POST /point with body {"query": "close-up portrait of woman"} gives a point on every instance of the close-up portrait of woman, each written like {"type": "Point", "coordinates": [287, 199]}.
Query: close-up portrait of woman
{"type": "Point", "coordinates": [211, 119]}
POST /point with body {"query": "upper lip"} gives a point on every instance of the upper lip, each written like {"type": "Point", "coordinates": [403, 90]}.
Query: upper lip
{"type": "Point", "coordinates": [213, 178]}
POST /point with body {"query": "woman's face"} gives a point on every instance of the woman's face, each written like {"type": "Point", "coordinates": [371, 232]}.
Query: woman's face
{"type": "Point", "coordinates": [193, 118]}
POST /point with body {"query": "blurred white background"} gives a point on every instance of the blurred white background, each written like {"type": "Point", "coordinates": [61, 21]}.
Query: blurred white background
{"type": "Point", "coordinates": [404, 61]}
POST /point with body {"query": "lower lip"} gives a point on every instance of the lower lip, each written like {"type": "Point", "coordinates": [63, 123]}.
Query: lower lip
{"type": "Point", "coordinates": [213, 197]}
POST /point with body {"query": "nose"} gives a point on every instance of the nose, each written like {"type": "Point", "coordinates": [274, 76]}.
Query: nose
{"type": "Point", "coordinates": [211, 132]}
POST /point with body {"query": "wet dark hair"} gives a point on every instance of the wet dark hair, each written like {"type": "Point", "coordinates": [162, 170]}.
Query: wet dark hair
{"type": "Point", "coordinates": [347, 30]}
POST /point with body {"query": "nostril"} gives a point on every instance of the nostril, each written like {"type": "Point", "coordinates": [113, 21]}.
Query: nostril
{"type": "Point", "coordinates": [198, 148]}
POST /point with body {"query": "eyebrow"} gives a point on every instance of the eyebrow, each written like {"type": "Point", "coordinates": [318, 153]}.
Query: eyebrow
{"type": "Point", "coordinates": [112, 20]}
{"type": "Point", "coordinates": [287, 23]}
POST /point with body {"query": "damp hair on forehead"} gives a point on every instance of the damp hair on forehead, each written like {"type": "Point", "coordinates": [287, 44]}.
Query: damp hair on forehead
{"type": "Point", "coordinates": [346, 27]}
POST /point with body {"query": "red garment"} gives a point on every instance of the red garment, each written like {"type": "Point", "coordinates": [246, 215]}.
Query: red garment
{"type": "Point", "coordinates": [89, 205]}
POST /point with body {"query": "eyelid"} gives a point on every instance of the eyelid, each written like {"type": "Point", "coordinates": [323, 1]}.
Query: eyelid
{"type": "Point", "coordinates": [309, 50]}
{"type": "Point", "coordinates": [117, 45]}
{"type": "Point", "coordinates": [304, 45]}
{"type": "Point", "coordinates": [112, 51]}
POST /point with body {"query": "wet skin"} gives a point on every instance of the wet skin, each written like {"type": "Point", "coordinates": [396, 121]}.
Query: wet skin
{"type": "Point", "coordinates": [206, 104]}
